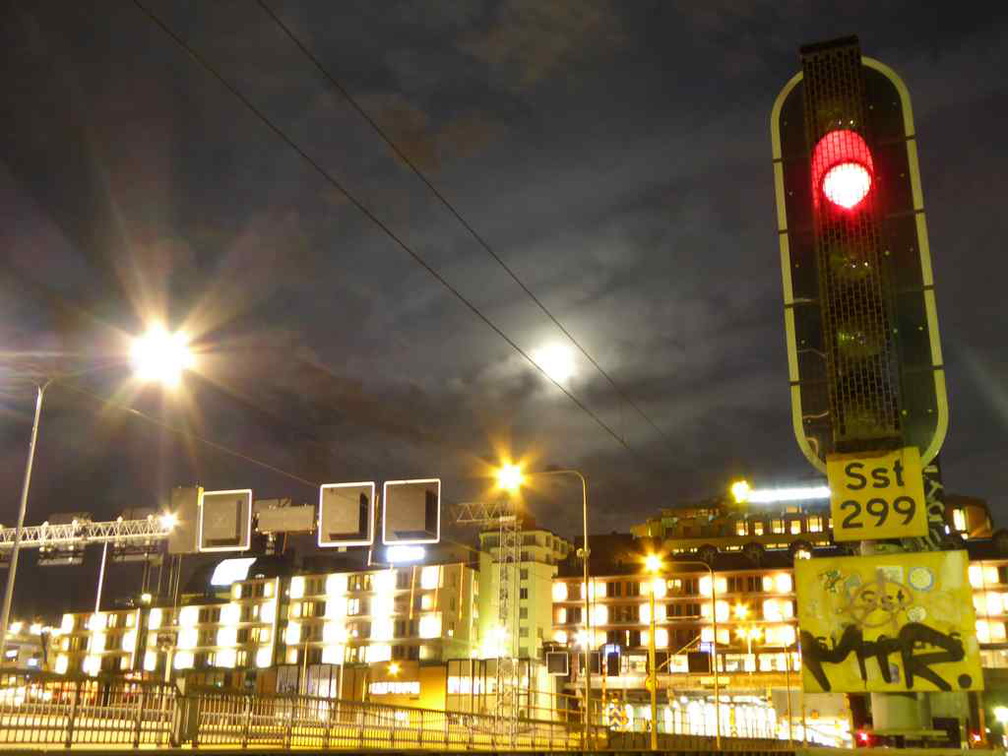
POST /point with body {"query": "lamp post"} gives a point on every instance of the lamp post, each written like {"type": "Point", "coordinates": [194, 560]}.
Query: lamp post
{"type": "Point", "coordinates": [156, 356]}
{"type": "Point", "coordinates": [653, 566]}
{"type": "Point", "coordinates": [510, 478]}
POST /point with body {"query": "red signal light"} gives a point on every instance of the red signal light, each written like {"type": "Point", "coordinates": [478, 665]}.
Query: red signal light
{"type": "Point", "coordinates": [863, 737]}
{"type": "Point", "coordinates": [842, 169]}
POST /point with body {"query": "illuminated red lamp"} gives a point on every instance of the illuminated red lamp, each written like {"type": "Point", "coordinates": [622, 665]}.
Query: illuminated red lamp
{"type": "Point", "coordinates": [863, 737]}
{"type": "Point", "coordinates": [842, 168]}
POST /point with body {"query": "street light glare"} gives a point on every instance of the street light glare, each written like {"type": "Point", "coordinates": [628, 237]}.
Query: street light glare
{"type": "Point", "coordinates": [509, 477]}
{"type": "Point", "coordinates": [169, 520]}
{"type": "Point", "coordinates": [161, 357]}
{"type": "Point", "coordinates": [652, 563]}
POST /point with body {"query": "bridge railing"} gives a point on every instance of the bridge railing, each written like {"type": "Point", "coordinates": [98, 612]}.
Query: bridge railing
{"type": "Point", "coordinates": [219, 718]}
{"type": "Point", "coordinates": [50, 710]}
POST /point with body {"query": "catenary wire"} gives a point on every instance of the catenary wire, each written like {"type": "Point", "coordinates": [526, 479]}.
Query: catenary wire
{"type": "Point", "coordinates": [188, 434]}
{"type": "Point", "coordinates": [344, 92]}
{"type": "Point", "coordinates": [370, 215]}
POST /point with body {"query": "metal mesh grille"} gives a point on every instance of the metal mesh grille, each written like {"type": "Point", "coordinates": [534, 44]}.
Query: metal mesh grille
{"type": "Point", "coordinates": [862, 380]}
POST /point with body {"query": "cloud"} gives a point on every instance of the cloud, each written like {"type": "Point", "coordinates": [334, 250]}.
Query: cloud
{"type": "Point", "coordinates": [530, 41]}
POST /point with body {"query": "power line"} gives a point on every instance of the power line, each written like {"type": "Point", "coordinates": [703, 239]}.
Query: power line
{"type": "Point", "coordinates": [189, 435]}
{"type": "Point", "coordinates": [452, 209]}
{"type": "Point", "coordinates": [370, 215]}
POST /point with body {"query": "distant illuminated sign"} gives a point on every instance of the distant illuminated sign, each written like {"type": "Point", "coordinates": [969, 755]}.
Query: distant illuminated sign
{"type": "Point", "coordinates": [397, 554]}
{"type": "Point", "coordinates": [230, 571]}
{"type": "Point", "coordinates": [395, 688]}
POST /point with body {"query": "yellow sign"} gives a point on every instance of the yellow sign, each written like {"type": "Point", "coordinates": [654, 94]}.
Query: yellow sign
{"type": "Point", "coordinates": [898, 623]}
{"type": "Point", "coordinates": [877, 496]}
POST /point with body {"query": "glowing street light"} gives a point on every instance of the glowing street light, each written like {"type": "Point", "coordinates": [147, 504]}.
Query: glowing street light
{"type": "Point", "coordinates": [510, 477]}
{"type": "Point", "coordinates": [161, 357]}
{"type": "Point", "coordinates": [156, 356]}
{"type": "Point", "coordinates": [653, 563]}
{"type": "Point", "coordinates": [393, 668]}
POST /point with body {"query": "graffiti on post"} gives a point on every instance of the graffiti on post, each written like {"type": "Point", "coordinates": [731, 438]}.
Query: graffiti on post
{"type": "Point", "coordinates": [899, 622]}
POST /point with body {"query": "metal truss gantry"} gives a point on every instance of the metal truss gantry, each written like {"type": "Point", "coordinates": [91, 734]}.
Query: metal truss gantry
{"type": "Point", "coordinates": [503, 516]}
{"type": "Point", "coordinates": [85, 532]}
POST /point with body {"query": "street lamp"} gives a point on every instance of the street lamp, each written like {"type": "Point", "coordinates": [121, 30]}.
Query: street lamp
{"type": "Point", "coordinates": [157, 356]}
{"type": "Point", "coordinates": [510, 478]}
{"type": "Point", "coordinates": [653, 565]}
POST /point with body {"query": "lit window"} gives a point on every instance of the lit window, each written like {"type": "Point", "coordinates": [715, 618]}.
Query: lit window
{"type": "Point", "coordinates": [560, 636]}
{"type": "Point", "coordinates": [741, 528]}
{"type": "Point", "coordinates": [297, 587]}
{"type": "Point", "coordinates": [600, 614]}
{"type": "Point", "coordinates": [758, 527]}
{"type": "Point", "coordinates": [995, 604]}
{"type": "Point", "coordinates": [183, 660]}
{"type": "Point", "coordinates": [983, 631]}
{"type": "Point", "coordinates": [430, 625]}
{"type": "Point", "coordinates": [783, 582]}
{"type": "Point", "coordinates": [767, 583]}
{"type": "Point", "coordinates": [336, 585]}
{"type": "Point", "coordinates": [150, 661]}
{"type": "Point", "coordinates": [815, 524]}
{"type": "Point", "coordinates": [129, 641]}
{"type": "Point", "coordinates": [268, 611]}
{"type": "Point", "coordinates": [187, 637]}
{"type": "Point", "coordinates": [293, 633]}
{"type": "Point", "coordinates": [559, 591]}
{"type": "Point", "coordinates": [561, 616]}
{"type": "Point", "coordinates": [959, 520]}
{"type": "Point", "coordinates": [991, 574]}
{"type": "Point", "coordinates": [976, 575]}
{"type": "Point", "coordinates": [154, 619]}
{"type": "Point", "coordinates": [795, 527]}
{"type": "Point", "coordinates": [777, 526]}
{"type": "Point", "coordinates": [225, 658]}
{"type": "Point", "coordinates": [62, 664]}
{"type": "Point", "coordinates": [188, 616]}
{"type": "Point", "coordinates": [430, 577]}
{"type": "Point", "coordinates": [264, 656]}
{"type": "Point", "coordinates": [997, 632]}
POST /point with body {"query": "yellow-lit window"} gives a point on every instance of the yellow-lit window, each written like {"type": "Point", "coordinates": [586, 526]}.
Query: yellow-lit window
{"type": "Point", "coordinates": [783, 582]}
{"type": "Point", "coordinates": [741, 528]}
{"type": "Point", "coordinates": [795, 527]}
{"type": "Point", "coordinates": [976, 575]}
{"type": "Point", "coordinates": [430, 577]}
{"type": "Point", "coordinates": [561, 616]}
{"type": "Point", "coordinates": [777, 526]}
{"type": "Point", "coordinates": [559, 591]}
{"type": "Point", "coordinates": [758, 527]}
{"type": "Point", "coordinates": [959, 520]}
{"type": "Point", "coordinates": [815, 524]}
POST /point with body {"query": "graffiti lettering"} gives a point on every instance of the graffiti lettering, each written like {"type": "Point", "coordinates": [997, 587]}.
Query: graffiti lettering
{"type": "Point", "coordinates": [920, 647]}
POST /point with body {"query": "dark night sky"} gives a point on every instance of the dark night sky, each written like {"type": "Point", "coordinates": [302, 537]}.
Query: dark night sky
{"type": "Point", "coordinates": [616, 156]}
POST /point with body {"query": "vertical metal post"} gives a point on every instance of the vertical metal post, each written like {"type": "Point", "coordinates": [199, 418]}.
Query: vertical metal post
{"type": "Point", "coordinates": [787, 679]}
{"type": "Point", "coordinates": [714, 659]}
{"type": "Point", "coordinates": [652, 671]}
{"type": "Point", "coordinates": [12, 569]}
{"type": "Point", "coordinates": [101, 578]}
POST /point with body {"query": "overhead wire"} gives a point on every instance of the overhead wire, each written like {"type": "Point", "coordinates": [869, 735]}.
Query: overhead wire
{"type": "Point", "coordinates": [339, 87]}
{"type": "Point", "coordinates": [370, 215]}
{"type": "Point", "coordinates": [188, 434]}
